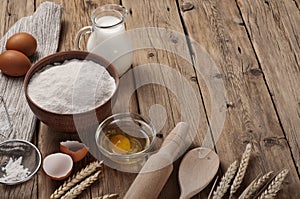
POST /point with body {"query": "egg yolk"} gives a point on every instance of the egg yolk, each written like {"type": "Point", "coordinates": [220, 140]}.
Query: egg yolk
{"type": "Point", "coordinates": [121, 144]}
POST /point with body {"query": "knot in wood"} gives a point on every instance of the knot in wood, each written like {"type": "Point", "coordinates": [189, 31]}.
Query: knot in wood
{"type": "Point", "coordinates": [230, 105]}
{"type": "Point", "coordinates": [187, 7]}
{"type": "Point", "coordinates": [273, 141]}
{"type": "Point", "coordinates": [194, 78]}
{"type": "Point", "coordinates": [151, 55]}
{"type": "Point", "coordinates": [218, 76]}
{"type": "Point", "coordinates": [255, 72]}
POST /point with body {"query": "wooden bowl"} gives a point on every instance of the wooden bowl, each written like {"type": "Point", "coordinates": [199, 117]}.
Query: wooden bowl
{"type": "Point", "coordinates": [65, 122]}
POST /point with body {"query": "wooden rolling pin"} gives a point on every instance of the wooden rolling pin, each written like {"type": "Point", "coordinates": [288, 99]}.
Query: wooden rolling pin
{"type": "Point", "coordinates": [156, 171]}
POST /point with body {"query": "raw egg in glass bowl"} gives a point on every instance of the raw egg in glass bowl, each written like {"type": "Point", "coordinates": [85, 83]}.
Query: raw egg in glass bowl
{"type": "Point", "coordinates": [125, 138]}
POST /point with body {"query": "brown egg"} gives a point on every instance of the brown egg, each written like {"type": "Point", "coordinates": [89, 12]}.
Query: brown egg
{"type": "Point", "coordinates": [75, 149]}
{"type": "Point", "coordinates": [22, 42]}
{"type": "Point", "coordinates": [14, 63]}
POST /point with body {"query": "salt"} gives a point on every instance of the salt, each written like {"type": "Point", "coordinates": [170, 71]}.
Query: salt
{"type": "Point", "coordinates": [74, 86]}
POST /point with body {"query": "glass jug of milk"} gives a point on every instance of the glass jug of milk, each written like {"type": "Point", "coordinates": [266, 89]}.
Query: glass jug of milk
{"type": "Point", "coordinates": [108, 36]}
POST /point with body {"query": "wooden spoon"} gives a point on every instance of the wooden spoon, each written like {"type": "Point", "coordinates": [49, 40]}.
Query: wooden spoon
{"type": "Point", "coordinates": [196, 171]}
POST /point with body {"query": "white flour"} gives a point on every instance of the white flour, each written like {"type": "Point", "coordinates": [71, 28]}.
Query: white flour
{"type": "Point", "coordinates": [14, 171]}
{"type": "Point", "coordinates": [74, 86]}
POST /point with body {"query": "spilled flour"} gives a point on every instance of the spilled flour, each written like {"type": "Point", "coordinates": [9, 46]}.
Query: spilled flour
{"type": "Point", "coordinates": [74, 86]}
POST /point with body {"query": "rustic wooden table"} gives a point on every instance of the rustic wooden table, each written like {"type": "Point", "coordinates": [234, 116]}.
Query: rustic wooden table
{"type": "Point", "coordinates": [256, 47]}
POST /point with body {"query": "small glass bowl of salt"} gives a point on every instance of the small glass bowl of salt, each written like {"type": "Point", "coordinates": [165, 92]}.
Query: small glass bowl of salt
{"type": "Point", "coordinates": [19, 161]}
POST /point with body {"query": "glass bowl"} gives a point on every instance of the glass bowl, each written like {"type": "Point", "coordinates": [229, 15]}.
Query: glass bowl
{"type": "Point", "coordinates": [125, 138]}
{"type": "Point", "coordinates": [19, 161]}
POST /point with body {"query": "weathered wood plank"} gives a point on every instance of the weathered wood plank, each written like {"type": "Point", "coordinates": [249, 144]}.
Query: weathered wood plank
{"type": "Point", "coordinates": [21, 119]}
{"type": "Point", "coordinates": [11, 88]}
{"type": "Point", "coordinates": [76, 14]}
{"type": "Point", "coordinates": [73, 18]}
{"type": "Point", "coordinates": [114, 181]}
{"type": "Point", "coordinates": [273, 27]}
{"type": "Point", "coordinates": [251, 117]}
{"type": "Point", "coordinates": [48, 142]}
{"type": "Point", "coordinates": [16, 11]}
{"type": "Point", "coordinates": [219, 27]}
{"type": "Point", "coordinates": [151, 65]}
{"type": "Point", "coordinates": [6, 23]}
{"type": "Point", "coordinates": [3, 15]}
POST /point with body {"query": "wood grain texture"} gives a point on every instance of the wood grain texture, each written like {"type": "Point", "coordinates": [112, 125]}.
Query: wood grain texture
{"type": "Point", "coordinates": [20, 118]}
{"type": "Point", "coordinates": [75, 15]}
{"type": "Point", "coordinates": [251, 117]}
{"type": "Point", "coordinates": [232, 33]}
{"type": "Point", "coordinates": [273, 27]}
{"type": "Point", "coordinates": [150, 64]}
{"type": "Point", "coordinates": [5, 19]}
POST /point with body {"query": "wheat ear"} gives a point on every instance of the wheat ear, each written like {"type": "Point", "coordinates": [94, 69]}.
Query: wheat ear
{"type": "Point", "coordinates": [241, 171]}
{"type": "Point", "coordinates": [78, 189]}
{"type": "Point", "coordinates": [79, 176]}
{"type": "Point", "coordinates": [275, 185]}
{"type": "Point", "coordinates": [255, 186]}
{"type": "Point", "coordinates": [108, 196]}
{"type": "Point", "coordinates": [225, 181]}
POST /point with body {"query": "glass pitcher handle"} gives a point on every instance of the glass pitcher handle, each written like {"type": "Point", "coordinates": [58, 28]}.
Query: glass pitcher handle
{"type": "Point", "coordinates": [80, 34]}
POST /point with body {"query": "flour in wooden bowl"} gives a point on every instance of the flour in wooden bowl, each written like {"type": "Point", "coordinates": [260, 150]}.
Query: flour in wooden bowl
{"type": "Point", "coordinates": [74, 86]}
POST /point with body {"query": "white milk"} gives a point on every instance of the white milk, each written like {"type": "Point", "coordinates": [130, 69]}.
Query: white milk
{"type": "Point", "coordinates": [101, 34]}
{"type": "Point", "coordinates": [113, 43]}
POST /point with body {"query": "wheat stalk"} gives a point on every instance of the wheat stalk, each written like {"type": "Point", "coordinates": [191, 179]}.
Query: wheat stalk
{"type": "Point", "coordinates": [78, 189]}
{"type": "Point", "coordinates": [275, 185]}
{"type": "Point", "coordinates": [108, 196]}
{"type": "Point", "coordinates": [255, 186]}
{"type": "Point", "coordinates": [225, 181]}
{"type": "Point", "coordinates": [79, 176]}
{"type": "Point", "coordinates": [213, 187]}
{"type": "Point", "coordinates": [241, 171]}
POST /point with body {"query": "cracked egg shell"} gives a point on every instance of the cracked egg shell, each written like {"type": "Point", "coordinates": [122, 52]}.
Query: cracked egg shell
{"type": "Point", "coordinates": [75, 149]}
{"type": "Point", "coordinates": [58, 166]}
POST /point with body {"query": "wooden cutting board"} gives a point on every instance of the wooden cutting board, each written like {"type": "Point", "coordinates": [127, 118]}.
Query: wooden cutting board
{"type": "Point", "coordinates": [16, 118]}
